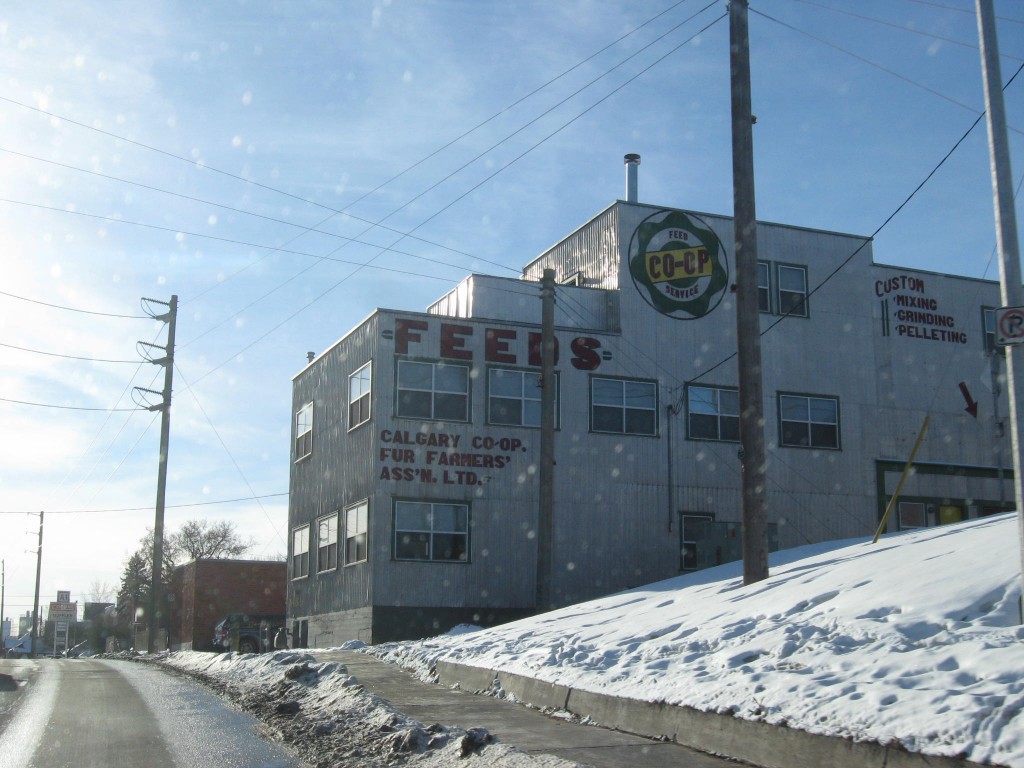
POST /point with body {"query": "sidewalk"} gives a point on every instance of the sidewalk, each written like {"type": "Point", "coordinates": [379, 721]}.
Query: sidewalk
{"type": "Point", "coordinates": [614, 746]}
{"type": "Point", "coordinates": [528, 730]}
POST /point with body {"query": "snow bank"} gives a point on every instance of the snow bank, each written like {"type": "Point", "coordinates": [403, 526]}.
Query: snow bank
{"type": "Point", "coordinates": [915, 640]}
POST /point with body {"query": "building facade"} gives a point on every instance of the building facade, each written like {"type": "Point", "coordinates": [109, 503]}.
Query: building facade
{"type": "Point", "coordinates": [416, 445]}
{"type": "Point", "coordinates": [204, 591]}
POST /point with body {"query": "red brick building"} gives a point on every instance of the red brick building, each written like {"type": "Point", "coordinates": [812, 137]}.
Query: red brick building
{"type": "Point", "coordinates": [205, 591]}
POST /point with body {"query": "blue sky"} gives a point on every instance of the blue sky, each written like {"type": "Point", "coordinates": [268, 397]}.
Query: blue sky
{"type": "Point", "coordinates": [190, 149]}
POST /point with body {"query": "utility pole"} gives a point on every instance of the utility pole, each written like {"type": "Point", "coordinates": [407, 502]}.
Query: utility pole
{"type": "Point", "coordinates": [545, 507]}
{"type": "Point", "coordinates": [748, 320]}
{"type": "Point", "coordinates": [167, 361]}
{"type": "Point", "coordinates": [39, 570]}
{"type": "Point", "coordinates": [1011, 292]}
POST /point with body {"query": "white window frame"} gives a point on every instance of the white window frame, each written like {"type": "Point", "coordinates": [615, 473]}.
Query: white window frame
{"type": "Point", "coordinates": [623, 405]}
{"type": "Point", "coordinates": [529, 394]}
{"type": "Point", "coordinates": [360, 386]}
{"type": "Point", "coordinates": [327, 543]}
{"type": "Point", "coordinates": [357, 537]}
{"type": "Point", "coordinates": [809, 420]}
{"type": "Point", "coordinates": [432, 532]}
{"type": "Point", "coordinates": [916, 506]}
{"type": "Point", "coordinates": [713, 401]}
{"type": "Point", "coordinates": [304, 431]}
{"type": "Point", "coordinates": [435, 391]}
{"type": "Point", "coordinates": [705, 516]}
{"type": "Point", "coordinates": [764, 286]}
{"type": "Point", "coordinates": [799, 307]}
{"type": "Point", "coordinates": [300, 552]}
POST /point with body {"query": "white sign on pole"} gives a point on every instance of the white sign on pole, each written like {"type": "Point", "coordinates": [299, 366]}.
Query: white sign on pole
{"type": "Point", "coordinates": [1010, 325]}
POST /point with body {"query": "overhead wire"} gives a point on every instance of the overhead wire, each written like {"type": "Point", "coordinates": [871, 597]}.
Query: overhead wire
{"type": "Point", "coordinates": [901, 28]}
{"type": "Point", "coordinates": [66, 357]}
{"type": "Point", "coordinates": [465, 194]}
{"type": "Point", "coordinates": [231, 456]}
{"type": "Point", "coordinates": [73, 309]}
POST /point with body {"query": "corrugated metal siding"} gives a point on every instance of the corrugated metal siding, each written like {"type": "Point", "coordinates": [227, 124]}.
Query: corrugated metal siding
{"type": "Point", "coordinates": [615, 525]}
{"type": "Point", "coordinates": [337, 474]}
{"type": "Point", "coordinates": [592, 251]}
{"type": "Point", "coordinates": [511, 300]}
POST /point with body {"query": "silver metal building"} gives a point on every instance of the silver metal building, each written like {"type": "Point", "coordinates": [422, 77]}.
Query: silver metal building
{"type": "Point", "coordinates": [414, 483]}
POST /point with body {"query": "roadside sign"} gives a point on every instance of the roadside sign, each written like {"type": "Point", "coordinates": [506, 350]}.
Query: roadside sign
{"type": "Point", "coordinates": [1010, 325]}
{"type": "Point", "coordinates": [62, 626]}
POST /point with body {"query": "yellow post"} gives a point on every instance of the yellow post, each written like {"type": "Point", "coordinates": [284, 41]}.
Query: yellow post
{"type": "Point", "coordinates": [899, 486]}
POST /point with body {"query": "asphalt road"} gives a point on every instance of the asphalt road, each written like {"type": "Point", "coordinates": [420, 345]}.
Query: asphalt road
{"type": "Point", "coordinates": [81, 713]}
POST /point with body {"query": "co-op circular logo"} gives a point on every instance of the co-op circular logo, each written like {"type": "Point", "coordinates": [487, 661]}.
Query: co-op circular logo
{"type": "Point", "coordinates": [678, 264]}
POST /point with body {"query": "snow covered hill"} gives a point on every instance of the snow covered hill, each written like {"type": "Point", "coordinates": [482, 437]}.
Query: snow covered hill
{"type": "Point", "coordinates": [915, 639]}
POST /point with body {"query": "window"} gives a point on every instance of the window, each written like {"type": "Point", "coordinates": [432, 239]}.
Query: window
{"type": "Point", "coordinates": [713, 413]}
{"type": "Point", "coordinates": [513, 397]}
{"type": "Point", "coordinates": [988, 324]}
{"type": "Point", "coordinates": [692, 531]}
{"type": "Point", "coordinates": [355, 533]}
{"type": "Point", "coordinates": [327, 543]}
{"type": "Point", "coordinates": [437, 532]}
{"type": "Point", "coordinates": [764, 286]}
{"type": "Point", "coordinates": [359, 397]}
{"type": "Point", "coordinates": [623, 406]}
{"type": "Point", "coordinates": [792, 290]}
{"type": "Point", "coordinates": [809, 422]}
{"type": "Point", "coordinates": [304, 432]}
{"type": "Point", "coordinates": [912, 514]}
{"type": "Point", "coordinates": [433, 391]}
{"type": "Point", "coordinates": [300, 552]}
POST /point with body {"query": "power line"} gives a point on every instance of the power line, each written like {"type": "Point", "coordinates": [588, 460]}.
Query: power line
{"type": "Point", "coordinates": [67, 407]}
{"type": "Point", "coordinates": [231, 456]}
{"type": "Point", "coordinates": [217, 238]}
{"type": "Point", "coordinates": [467, 192]}
{"type": "Point", "coordinates": [945, 7]}
{"type": "Point", "coordinates": [870, 63]}
{"type": "Point", "coordinates": [73, 309]}
{"type": "Point", "coordinates": [67, 357]}
{"type": "Point", "coordinates": [949, 40]}
{"type": "Point", "coordinates": [146, 509]}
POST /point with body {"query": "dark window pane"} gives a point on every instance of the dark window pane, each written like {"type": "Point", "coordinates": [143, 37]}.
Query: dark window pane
{"type": "Point", "coordinates": [607, 419]}
{"type": "Point", "coordinates": [824, 436]}
{"type": "Point", "coordinates": [415, 404]}
{"type": "Point", "coordinates": [703, 427]}
{"type": "Point", "coordinates": [504, 411]}
{"type": "Point", "coordinates": [449, 546]}
{"type": "Point", "coordinates": [794, 433]}
{"type": "Point", "coordinates": [639, 422]}
{"type": "Point", "coordinates": [450, 407]}
{"type": "Point", "coordinates": [412, 546]}
{"type": "Point", "coordinates": [730, 428]}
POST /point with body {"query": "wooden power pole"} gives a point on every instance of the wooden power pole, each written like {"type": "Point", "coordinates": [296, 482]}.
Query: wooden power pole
{"type": "Point", "coordinates": [156, 600]}
{"type": "Point", "coordinates": [1011, 292]}
{"type": "Point", "coordinates": [748, 320]}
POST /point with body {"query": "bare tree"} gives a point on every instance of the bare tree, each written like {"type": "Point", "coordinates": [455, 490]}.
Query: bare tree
{"type": "Point", "coordinates": [101, 592]}
{"type": "Point", "coordinates": [199, 539]}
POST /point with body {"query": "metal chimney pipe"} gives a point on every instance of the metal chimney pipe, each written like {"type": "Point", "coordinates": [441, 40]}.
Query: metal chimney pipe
{"type": "Point", "coordinates": [311, 356]}
{"type": "Point", "coordinates": [632, 161]}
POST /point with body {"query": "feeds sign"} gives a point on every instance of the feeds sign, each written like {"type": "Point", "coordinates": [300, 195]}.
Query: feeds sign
{"type": "Point", "coordinates": [678, 265]}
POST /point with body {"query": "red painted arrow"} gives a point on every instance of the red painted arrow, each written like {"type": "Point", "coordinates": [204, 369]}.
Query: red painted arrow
{"type": "Point", "coordinates": [972, 406]}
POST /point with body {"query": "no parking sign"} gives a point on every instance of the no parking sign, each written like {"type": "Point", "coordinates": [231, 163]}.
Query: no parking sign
{"type": "Point", "coordinates": [1010, 325]}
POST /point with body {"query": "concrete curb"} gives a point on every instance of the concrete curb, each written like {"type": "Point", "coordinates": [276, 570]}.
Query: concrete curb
{"type": "Point", "coordinates": [770, 746]}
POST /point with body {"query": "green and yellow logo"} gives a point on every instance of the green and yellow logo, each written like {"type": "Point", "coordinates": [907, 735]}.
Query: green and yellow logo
{"type": "Point", "coordinates": [678, 264]}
